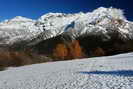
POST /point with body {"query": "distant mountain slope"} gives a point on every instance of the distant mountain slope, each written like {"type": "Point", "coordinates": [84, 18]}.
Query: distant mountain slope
{"type": "Point", "coordinates": [113, 72]}
{"type": "Point", "coordinates": [17, 29]}
{"type": "Point", "coordinates": [99, 22]}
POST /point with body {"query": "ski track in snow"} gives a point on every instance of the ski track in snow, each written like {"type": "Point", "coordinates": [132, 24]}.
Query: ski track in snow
{"type": "Point", "coordinates": [90, 73]}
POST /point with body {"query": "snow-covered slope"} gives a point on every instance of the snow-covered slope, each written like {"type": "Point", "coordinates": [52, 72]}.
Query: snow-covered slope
{"type": "Point", "coordinates": [113, 72]}
{"type": "Point", "coordinates": [101, 21]}
{"type": "Point", "coordinates": [17, 29]}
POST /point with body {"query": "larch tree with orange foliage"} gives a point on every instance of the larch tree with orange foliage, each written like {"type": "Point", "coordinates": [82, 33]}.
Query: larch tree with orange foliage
{"type": "Point", "coordinates": [76, 50]}
{"type": "Point", "coordinates": [61, 51]}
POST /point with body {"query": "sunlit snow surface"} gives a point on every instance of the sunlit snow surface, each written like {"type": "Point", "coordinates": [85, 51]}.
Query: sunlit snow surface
{"type": "Point", "coordinates": [113, 72]}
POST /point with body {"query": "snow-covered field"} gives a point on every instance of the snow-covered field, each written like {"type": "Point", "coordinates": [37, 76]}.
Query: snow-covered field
{"type": "Point", "coordinates": [113, 72]}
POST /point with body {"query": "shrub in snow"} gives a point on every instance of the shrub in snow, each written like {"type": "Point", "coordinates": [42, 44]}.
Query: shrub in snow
{"type": "Point", "coordinates": [98, 52]}
{"type": "Point", "coordinates": [10, 58]}
{"type": "Point", "coordinates": [20, 58]}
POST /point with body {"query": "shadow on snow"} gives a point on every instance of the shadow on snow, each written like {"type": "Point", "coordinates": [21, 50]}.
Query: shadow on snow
{"type": "Point", "coordinates": [117, 72]}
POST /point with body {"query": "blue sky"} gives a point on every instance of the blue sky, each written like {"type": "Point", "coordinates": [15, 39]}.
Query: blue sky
{"type": "Point", "coordinates": [35, 8]}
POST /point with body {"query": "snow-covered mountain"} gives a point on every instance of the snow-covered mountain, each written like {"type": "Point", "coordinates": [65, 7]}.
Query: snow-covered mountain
{"type": "Point", "coordinates": [101, 21]}
{"type": "Point", "coordinates": [95, 22]}
{"type": "Point", "coordinates": [113, 72]}
{"type": "Point", "coordinates": [17, 29]}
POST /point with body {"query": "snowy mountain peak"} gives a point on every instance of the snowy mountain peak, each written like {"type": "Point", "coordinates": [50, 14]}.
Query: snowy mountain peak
{"type": "Point", "coordinates": [20, 18]}
{"type": "Point", "coordinates": [16, 20]}
{"type": "Point", "coordinates": [98, 13]}
{"type": "Point", "coordinates": [115, 13]}
{"type": "Point", "coordinates": [51, 15]}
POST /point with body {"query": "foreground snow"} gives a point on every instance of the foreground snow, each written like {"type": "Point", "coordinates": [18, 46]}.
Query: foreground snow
{"type": "Point", "coordinates": [114, 72]}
